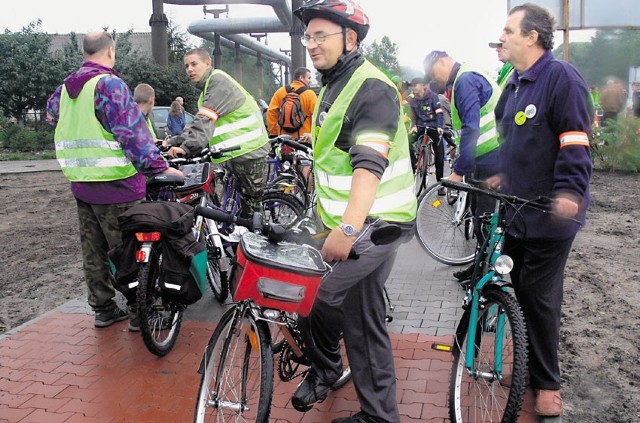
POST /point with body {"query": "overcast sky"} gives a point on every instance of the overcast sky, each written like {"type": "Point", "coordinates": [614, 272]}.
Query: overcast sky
{"type": "Point", "coordinates": [461, 27]}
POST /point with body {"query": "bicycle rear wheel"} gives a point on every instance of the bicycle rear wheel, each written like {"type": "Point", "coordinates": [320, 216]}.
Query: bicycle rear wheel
{"type": "Point", "coordinates": [281, 208]}
{"type": "Point", "coordinates": [237, 371]}
{"type": "Point", "coordinates": [493, 390]}
{"type": "Point", "coordinates": [443, 228]}
{"type": "Point", "coordinates": [160, 320]}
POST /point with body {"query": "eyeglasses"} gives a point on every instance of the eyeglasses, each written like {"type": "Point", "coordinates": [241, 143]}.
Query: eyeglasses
{"type": "Point", "coordinates": [318, 38]}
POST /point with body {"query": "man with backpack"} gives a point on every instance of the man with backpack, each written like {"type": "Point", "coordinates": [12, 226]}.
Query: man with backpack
{"type": "Point", "coordinates": [292, 106]}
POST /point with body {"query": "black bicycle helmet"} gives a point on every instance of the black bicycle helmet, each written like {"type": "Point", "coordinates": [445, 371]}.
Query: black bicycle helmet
{"type": "Point", "coordinates": [346, 13]}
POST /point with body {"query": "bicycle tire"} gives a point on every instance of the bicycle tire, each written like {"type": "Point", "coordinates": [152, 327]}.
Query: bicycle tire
{"type": "Point", "coordinates": [440, 232]}
{"type": "Point", "coordinates": [298, 187]}
{"type": "Point", "coordinates": [421, 174]}
{"type": "Point", "coordinates": [239, 350]}
{"type": "Point", "coordinates": [218, 279]}
{"type": "Point", "coordinates": [283, 209]}
{"type": "Point", "coordinates": [160, 321]}
{"type": "Point", "coordinates": [483, 396]}
{"type": "Point", "coordinates": [431, 157]}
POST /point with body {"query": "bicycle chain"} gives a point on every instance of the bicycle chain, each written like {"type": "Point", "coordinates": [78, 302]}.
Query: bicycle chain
{"type": "Point", "coordinates": [286, 366]}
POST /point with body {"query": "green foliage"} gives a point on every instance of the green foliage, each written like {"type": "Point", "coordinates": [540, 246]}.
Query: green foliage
{"type": "Point", "coordinates": [383, 54]}
{"type": "Point", "coordinates": [616, 146]}
{"type": "Point", "coordinates": [15, 137]}
{"type": "Point", "coordinates": [28, 74]}
{"type": "Point", "coordinates": [610, 53]}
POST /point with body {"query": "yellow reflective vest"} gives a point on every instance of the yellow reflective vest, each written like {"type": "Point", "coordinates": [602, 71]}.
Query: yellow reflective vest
{"type": "Point", "coordinates": [395, 200]}
{"type": "Point", "coordinates": [85, 150]}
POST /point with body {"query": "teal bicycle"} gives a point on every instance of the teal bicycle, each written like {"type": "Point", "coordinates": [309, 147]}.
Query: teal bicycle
{"type": "Point", "coordinates": [488, 376]}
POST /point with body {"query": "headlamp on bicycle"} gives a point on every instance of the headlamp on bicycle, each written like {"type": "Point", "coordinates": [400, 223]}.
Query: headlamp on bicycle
{"type": "Point", "coordinates": [504, 264]}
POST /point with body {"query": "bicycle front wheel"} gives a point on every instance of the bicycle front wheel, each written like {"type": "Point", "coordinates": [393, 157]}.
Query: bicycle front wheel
{"type": "Point", "coordinates": [493, 388]}
{"type": "Point", "coordinates": [442, 228]}
{"type": "Point", "coordinates": [237, 371]}
{"type": "Point", "coordinates": [281, 208]}
{"type": "Point", "coordinates": [216, 277]}
{"type": "Point", "coordinates": [421, 174]}
{"type": "Point", "coordinates": [160, 320]}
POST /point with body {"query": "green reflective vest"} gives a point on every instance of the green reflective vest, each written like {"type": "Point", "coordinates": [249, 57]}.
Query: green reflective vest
{"type": "Point", "coordinates": [488, 139]}
{"type": "Point", "coordinates": [395, 200]}
{"type": "Point", "coordinates": [244, 126]}
{"type": "Point", "coordinates": [85, 150]}
{"type": "Point", "coordinates": [505, 75]}
{"type": "Point", "coordinates": [151, 129]}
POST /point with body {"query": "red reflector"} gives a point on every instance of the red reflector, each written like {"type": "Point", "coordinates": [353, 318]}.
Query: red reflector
{"type": "Point", "coordinates": [147, 236]}
{"type": "Point", "coordinates": [141, 256]}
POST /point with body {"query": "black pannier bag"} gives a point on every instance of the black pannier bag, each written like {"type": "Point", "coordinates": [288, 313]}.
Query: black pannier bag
{"type": "Point", "coordinates": [183, 273]}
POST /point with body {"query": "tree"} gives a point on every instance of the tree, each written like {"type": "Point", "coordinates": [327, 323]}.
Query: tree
{"type": "Point", "coordinates": [611, 52]}
{"type": "Point", "coordinates": [28, 73]}
{"type": "Point", "coordinates": [383, 54]}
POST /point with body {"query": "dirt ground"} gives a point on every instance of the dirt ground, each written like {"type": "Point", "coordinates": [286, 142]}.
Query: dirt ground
{"type": "Point", "coordinates": [40, 269]}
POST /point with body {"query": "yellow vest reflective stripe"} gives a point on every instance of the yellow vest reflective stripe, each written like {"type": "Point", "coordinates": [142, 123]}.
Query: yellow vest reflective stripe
{"type": "Point", "coordinates": [488, 139]}
{"type": "Point", "coordinates": [395, 200]}
{"type": "Point", "coordinates": [243, 127]}
{"type": "Point", "coordinates": [85, 150]}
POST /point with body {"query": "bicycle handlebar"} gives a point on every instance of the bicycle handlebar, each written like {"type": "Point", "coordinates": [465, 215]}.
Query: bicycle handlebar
{"type": "Point", "coordinates": [297, 146]}
{"type": "Point", "coordinates": [273, 231]}
{"type": "Point", "coordinates": [277, 233]}
{"type": "Point", "coordinates": [288, 140]}
{"type": "Point", "coordinates": [205, 154]}
{"type": "Point", "coordinates": [541, 203]}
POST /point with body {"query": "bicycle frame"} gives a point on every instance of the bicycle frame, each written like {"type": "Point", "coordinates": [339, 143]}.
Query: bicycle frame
{"type": "Point", "coordinates": [493, 249]}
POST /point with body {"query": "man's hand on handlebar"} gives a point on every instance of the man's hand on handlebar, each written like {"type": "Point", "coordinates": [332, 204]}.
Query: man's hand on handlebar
{"type": "Point", "coordinates": [565, 207]}
{"type": "Point", "coordinates": [455, 177]}
{"type": "Point", "coordinates": [306, 137]}
{"type": "Point", "coordinates": [337, 246]}
{"type": "Point", "coordinates": [176, 152]}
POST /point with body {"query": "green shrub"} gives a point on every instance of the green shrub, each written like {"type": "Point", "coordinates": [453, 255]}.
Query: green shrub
{"type": "Point", "coordinates": [616, 146]}
{"type": "Point", "coordinates": [18, 138]}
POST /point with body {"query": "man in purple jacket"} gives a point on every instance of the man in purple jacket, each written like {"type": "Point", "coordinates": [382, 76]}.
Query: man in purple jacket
{"type": "Point", "coordinates": [105, 149]}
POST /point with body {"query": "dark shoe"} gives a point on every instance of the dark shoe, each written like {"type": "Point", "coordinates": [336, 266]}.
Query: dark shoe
{"type": "Point", "coordinates": [441, 191]}
{"type": "Point", "coordinates": [360, 417]}
{"type": "Point", "coordinates": [312, 389]}
{"type": "Point", "coordinates": [464, 275]}
{"type": "Point", "coordinates": [134, 324]}
{"type": "Point", "coordinates": [548, 403]}
{"type": "Point", "coordinates": [108, 317]}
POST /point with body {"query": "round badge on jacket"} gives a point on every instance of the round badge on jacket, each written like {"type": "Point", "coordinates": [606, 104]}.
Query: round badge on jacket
{"type": "Point", "coordinates": [530, 111]}
{"type": "Point", "coordinates": [520, 118]}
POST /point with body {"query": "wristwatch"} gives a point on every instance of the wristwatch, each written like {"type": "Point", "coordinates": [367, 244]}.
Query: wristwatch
{"type": "Point", "coordinates": [348, 229]}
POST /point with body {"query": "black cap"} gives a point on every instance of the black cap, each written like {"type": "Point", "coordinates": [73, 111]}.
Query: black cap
{"type": "Point", "coordinates": [430, 60]}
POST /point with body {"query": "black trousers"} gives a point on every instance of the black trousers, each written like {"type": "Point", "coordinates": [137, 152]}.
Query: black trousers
{"type": "Point", "coordinates": [538, 280]}
{"type": "Point", "coordinates": [438, 149]}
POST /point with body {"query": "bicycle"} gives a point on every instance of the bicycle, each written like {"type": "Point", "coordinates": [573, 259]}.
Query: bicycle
{"type": "Point", "coordinates": [425, 160]}
{"type": "Point", "coordinates": [292, 178]}
{"type": "Point", "coordinates": [489, 371]}
{"type": "Point", "coordinates": [160, 315]}
{"type": "Point", "coordinates": [444, 225]}
{"type": "Point", "coordinates": [272, 283]}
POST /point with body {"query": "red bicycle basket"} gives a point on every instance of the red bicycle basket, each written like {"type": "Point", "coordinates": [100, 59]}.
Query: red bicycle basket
{"type": "Point", "coordinates": [281, 276]}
